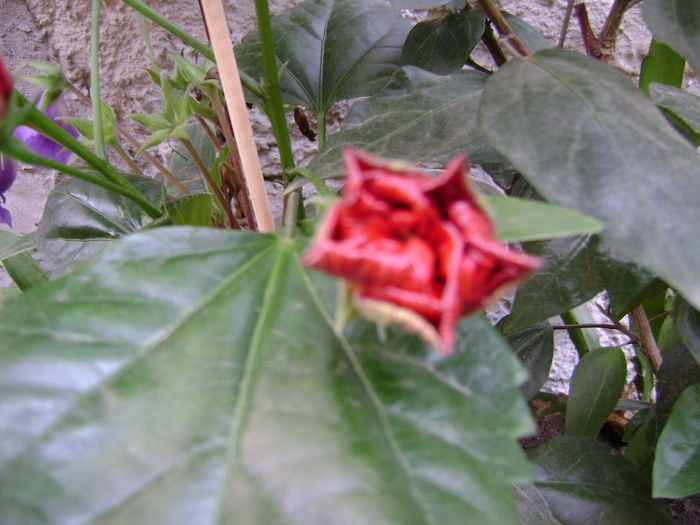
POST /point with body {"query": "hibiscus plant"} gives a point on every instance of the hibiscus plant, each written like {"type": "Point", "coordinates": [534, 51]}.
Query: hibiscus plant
{"type": "Point", "coordinates": [174, 354]}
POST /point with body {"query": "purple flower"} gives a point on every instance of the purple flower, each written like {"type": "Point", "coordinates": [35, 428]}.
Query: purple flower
{"type": "Point", "coordinates": [42, 145]}
{"type": "Point", "coordinates": [8, 172]}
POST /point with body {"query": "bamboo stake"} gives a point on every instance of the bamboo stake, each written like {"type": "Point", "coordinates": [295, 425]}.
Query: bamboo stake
{"type": "Point", "coordinates": [217, 25]}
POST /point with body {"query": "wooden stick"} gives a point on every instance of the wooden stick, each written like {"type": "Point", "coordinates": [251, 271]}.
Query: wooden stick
{"type": "Point", "coordinates": [217, 25]}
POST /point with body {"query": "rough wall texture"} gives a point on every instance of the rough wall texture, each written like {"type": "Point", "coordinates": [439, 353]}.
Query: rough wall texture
{"type": "Point", "coordinates": [58, 31]}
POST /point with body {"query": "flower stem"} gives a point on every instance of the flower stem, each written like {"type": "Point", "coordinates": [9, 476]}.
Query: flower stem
{"type": "Point", "coordinates": [98, 130]}
{"type": "Point", "coordinates": [273, 94]}
{"type": "Point", "coordinates": [321, 119]}
{"type": "Point", "coordinates": [15, 148]}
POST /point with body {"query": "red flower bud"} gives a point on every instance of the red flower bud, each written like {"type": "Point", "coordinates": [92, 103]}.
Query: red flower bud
{"type": "Point", "coordinates": [5, 89]}
{"type": "Point", "coordinates": [415, 249]}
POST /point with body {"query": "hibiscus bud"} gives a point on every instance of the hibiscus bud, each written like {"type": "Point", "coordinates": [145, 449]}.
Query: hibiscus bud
{"type": "Point", "coordinates": [5, 89]}
{"type": "Point", "coordinates": [415, 249]}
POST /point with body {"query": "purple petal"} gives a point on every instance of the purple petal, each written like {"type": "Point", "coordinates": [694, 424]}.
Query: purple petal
{"type": "Point", "coordinates": [5, 217]}
{"type": "Point", "coordinates": [8, 173]}
{"type": "Point", "coordinates": [42, 145]}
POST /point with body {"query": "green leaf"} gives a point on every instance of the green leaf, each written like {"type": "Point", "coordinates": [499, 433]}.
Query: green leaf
{"type": "Point", "coordinates": [677, 24]}
{"type": "Point", "coordinates": [420, 116]}
{"type": "Point", "coordinates": [193, 376]}
{"type": "Point", "coordinates": [585, 481]}
{"type": "Point", "coordinates": [80, 218]}
{"type": "Point", "coordinates": [527, 34]}
{"type": "Point", "coordinates": [662, 64]}
{"type": "Point", "coordinates": [519, 220]}
{"type": "Point", "coordinates": [442, 45]}
{"type": "Point", "coordinates": [596, 386]}
{"type": "Point", "coordinates": [678, 371]}
{"type": "Point", "coordinates": [16, 257]}
{"type": "Point", "coordinates": [533, 507]}
{"type": "Point", "coordinates": [681, 109]}
{"type": "Point", "coordinates": [417, 4]}
{"type": "Point", "coordinates": [152, 122]}
{"type": "Point", "coordinates": [330, 50]}
{"type": "Point", "coordinates": [687, 320]}
{"type": "Point", "coordinates": [677, 462]}
{"type": "Point", "coordinates": [183, 166]}
{"type": "Point", "coordinates": [191, 210]}
{"type": "Point", "coordinates": [587, 139]}
{"type": "Point", "coordinates": [567, 279]}
{"type": "Point", "coordinates": [534, 346]}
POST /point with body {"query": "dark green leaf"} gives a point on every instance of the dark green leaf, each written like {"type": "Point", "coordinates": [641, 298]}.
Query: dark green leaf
{"type": "Point", "coordinates": [677, 462]}
{"type": "Point", "coordinates": [662, 64]}
{"type": "Point", "coordinates": [678, 371]}
{"type": "Point", "coordinates": [330, 50]}
{"type": "Point", "coordinates": [194, 376]}
{"type": "Point", "coordinates": [16, 257]}
{"type": "Point", "coordinates": [442, 45]}
{"type": "Point", "coordinates": [635, 423]}
{"type": "Point", "coordinates": [417, 4]}
{"type": "Point", "coordinates": [596, 386]}
{"type": "Point", "coordinates": [677, 24]}
{"type": "Point", "coordinates": [527, 34]}
{"type": "Point", "coordinates": [534, 346]}
{"type": "Point", "coordinates": [418, 117]}
{"type": "Point", "coordinates": [588, 139]}
{"type": "Point", "coordinates": [527, 220]}
{"type": "Point", "coordinates": [688, 326]}
{"type": "Point", "coordinates": [567, 279]}
{"type": "Point", "coordinates": [80, 218]}
{"type": "Point", "coordinates": [584, 481]}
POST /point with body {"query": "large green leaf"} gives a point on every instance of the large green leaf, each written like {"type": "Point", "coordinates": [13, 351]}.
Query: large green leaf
{"type": "Point", "coordinates": [193, 376]}
{"type": "Point", "coordinates": [584, 481]}
{"type": "Point", "coordinates": [567, 279]}
{"type": "Point", "coordinates": [330, 50]}
{"type": "Point", "coordinates": [662, 64]}
{"type": "Point", "coordinates": [596, 387]}
{"type": "Point", "coordinates": [676, 23]}
{"type": "Point", "coordinates": [677, 462]}
{"type": "Point", "coordinates": [588, 139]}
{"type": "Point", "coordinates": [418, 117]}
{"type": "Point", "coordinates": [80, 218]}
{"type": "Point", "coordinates": [442, 45]}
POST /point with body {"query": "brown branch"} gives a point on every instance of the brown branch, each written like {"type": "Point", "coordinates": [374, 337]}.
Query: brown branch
{"type": "Point", "coordinates": [603, 46]}
{"type": "Point", "coordinates": [647, 343]}
{"type": "Point", "coordinates": [503, 28]}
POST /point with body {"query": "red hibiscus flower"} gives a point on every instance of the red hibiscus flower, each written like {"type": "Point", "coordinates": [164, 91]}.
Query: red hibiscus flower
{"type": "Point", "coordinates": [415, 249]}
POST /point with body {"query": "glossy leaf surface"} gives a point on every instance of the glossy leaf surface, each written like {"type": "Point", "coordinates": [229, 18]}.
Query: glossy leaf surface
{"type": "Point", "coordinates": [676, 23]}
{"type": "Point", "coordinates": [80, 218]}
{"type": "Point", "coordinates": [567, 279]}
{"type": "Point", "coordinates": [585, 481]}
{"type": "Point", "coordinates": [596, 387]}
{"type": "Point", "coordinates": [442, 45]}
{"type": "Point", "coordinates": [143, 389]}
{"type": "Point", "coordinates": [687, 320]}
{"type": "Point", "coordinates": [527, 220]}
{"type": "Point", "coordinates": [441, 110]}
{"type": "Point", "coordinates": [330, 50]}
{"type": "Point", "coordinates": [677, 462]}
{"type": "Point", "coordinates": [604, 157]}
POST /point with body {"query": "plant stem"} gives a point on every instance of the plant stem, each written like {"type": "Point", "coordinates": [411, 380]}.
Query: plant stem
{"type": "Point", "coordinates": [129, 161]}
{"type": "Point", "coordinates": [210, 180]}
{"type": "Point", "coordinates": [188, 39]}
{"type": "Point", "coordinates": [122, 130]}
{"type": "Point", "coordinates": [291, 212]}
{"type": "Point", "coordinates": [321, 119]}
{"type": "Point", "coordinates": [209, 133]}
{"type": "Point", "coordinates": [616, 326]}
{"type": "Point", "coordinates": [647, 343]}
{"type": "Point", "coordinates": [565, 23]}
{"type": "Point", "coordinates": [98, 130]}
{"type": "Point", "coordinates": [16, 149]}
{"type": "Point", "coordinates": [273, 94]}
{"type": "Point", "coordinates": [504, 29]}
